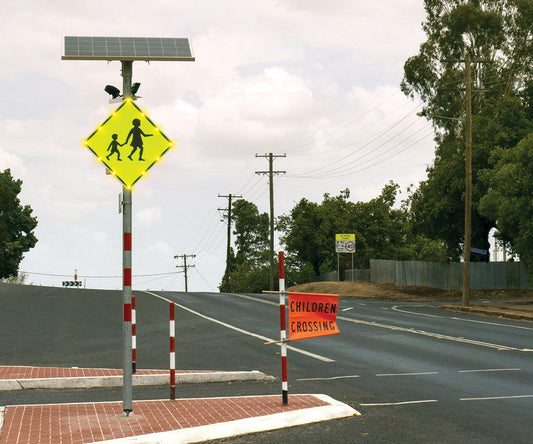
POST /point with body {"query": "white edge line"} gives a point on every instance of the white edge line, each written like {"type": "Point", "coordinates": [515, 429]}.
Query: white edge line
{"type": "Point", "coordinates": [491, 370]}
{"type": "Point", "coordinates": [380, 404]}
{"type": "Point", "coordinates": [334, 410]}
{"type": "Point", "coordinates": [328, 379]}
{"type": "Point", "coordinates": [455, 318]}
{"type": "Point", "coordinates": [495, 398]}
{"type": "Point", "coordinates": [395, 308]}
{"type": "Point", "coordinates": [240, 330]}
{"type": "Point", "coordinates": [407, 374]}
{"type": "Point", "coordinates": [429, 334]}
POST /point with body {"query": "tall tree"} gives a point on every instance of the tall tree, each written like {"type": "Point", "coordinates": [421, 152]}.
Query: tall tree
{"type": "Point", "coordinates": [510, 198]}
{"type": "Point", "coordinates": [498, 36]}
{"type": "Point", "coordinates": [250, 263]}
{"type": "Point", "coordinates": [381, 231]}
{"type": "Point", "coordinates": [16, 226]}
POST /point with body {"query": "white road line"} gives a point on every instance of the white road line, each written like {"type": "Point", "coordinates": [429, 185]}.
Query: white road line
{"type": "Point", "coordinates": [347, 309]}
{"type": "Point", "coordinates": [251, 298]}
{"type": "Point", "coordinates": [491, 323]}
{"type": "Point", "coordinates": [414, 331]}
{"type": "Point", "coordinates": [407, 374]}
{"type": "Point", "coordinates": [492, 398]}
{"type": "Point", "coordinates": [395, 308]}
{"type": "Point", "coordinates": [379, 404]}
{"type": "Point", "coordinates": [328, 379]}
{"type": "Point", "coordinates": [433, 335]}
{"type": "Point", "coordinates": [240, 330]}
{"type": "Point", "coordinates": [491, 370]}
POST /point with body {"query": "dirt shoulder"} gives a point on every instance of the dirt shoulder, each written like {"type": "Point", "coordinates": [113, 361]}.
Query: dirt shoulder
{"type": "Point", "coordinates": [518, 304]}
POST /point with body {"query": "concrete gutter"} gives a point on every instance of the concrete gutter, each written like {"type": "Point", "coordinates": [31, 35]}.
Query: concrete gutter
{"type": "Point", "coordinates": [138, 380]}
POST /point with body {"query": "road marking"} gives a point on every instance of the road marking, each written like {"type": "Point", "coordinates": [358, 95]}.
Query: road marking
{"type": "Point", "coordinates": [407, 374]}
{"type": "Point", "coordinates": [496, 398]}
{"type": "Point", "coordinates": [251, 298]}
{"type": "Point", "coordinates": [433, 335]}
{"type": "Point", "coordinates": [328, 379]}
{"type": "Point", "coordinates": [491, 370]}
{"type": "Point", "coordinates": [395, 308]}
{"type": "Point", "coordinates": [347, 309]}
{"type": "Point", "coordinates": [418, 332]}
{"type": "Point", "coordinates": [240, 330]}
{"type": "Point", "coordinates": [491, 323]}
{"type": "Point", "coordinates": [379, 404]}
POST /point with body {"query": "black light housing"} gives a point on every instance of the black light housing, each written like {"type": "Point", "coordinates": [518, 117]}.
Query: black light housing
{"type": "Point", "coordinates": [112, 91]}
{"type": "Point", "coordinates": [135, 88]}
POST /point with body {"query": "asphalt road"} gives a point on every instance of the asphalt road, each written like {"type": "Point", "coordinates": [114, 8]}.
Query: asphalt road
{"type": "Point", "coordinates": [416, 373]}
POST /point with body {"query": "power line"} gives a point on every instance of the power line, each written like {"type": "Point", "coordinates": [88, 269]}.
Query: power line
{"type": "Point", "coordinates": [86, 276]}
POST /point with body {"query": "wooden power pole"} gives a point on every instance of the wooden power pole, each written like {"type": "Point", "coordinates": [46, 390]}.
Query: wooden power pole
{"type": "Point", "coordinates": [185, 266]}
{"type": "Point", "coordinates": [468, 183]}
{"type": "Point", "coordinates": [225, 280]}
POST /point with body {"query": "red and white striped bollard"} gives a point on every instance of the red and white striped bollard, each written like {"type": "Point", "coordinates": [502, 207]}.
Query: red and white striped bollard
{"type": "Point", "coordinates": [172, 335]}
{"type": "Point", "coordinates": [283, 330]}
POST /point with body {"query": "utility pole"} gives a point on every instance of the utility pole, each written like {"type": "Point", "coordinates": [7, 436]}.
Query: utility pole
{"type": "Point", "coordinates": [185, 266]}
{"type": "Point", "coordinates": [271, 173]}
{"type": "Point", "coordinates": [225, 279]}
{"type": "Point", "coordinates": [468, 183]}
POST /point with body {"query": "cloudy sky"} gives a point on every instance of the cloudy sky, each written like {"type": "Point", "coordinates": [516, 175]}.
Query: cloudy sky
{"type": "Point", "coordinates": [316, 80]}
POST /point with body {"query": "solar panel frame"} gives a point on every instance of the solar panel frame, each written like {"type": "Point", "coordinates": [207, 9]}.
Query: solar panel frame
{"type": "Point", "coordinates": [127, 48]}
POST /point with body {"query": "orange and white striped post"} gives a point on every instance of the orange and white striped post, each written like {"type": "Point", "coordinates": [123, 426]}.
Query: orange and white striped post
{"type": "Point", "coordinates": [283, 329]}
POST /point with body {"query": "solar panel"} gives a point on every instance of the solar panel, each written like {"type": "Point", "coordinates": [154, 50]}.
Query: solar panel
{"type": "Point", "coordinates": [127, 48]}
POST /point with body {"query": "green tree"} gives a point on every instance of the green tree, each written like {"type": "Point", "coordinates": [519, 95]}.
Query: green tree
{"type": "Point", "coordinates": [16, 226]}
{"type": "Point", "coordinates": [497, 34]}
{"type": "Point", "coordinates": [510, 198]}
{"type": "Point", "coordinates": [381, 231]}
{"type": "Point", "coordinates": [249, 271]}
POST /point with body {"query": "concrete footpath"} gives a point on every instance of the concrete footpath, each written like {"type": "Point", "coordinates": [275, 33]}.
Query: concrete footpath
{"type": "Point", "coordinates": [154, 421]}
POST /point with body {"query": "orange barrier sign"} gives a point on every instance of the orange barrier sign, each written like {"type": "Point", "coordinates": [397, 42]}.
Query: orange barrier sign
{"type": "Point", "coordinates": [312, 315]}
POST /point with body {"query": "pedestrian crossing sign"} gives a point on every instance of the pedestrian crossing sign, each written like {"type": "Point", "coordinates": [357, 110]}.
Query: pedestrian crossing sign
{"type": "Point", "coordinates": [128, 143]}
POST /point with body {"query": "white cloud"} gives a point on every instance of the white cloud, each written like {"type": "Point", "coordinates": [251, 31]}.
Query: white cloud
{"type": "Point", "coordinates": [315, 80]}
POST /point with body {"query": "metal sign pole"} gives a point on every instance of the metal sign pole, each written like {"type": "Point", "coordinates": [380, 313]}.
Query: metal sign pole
{"type": "Point", "coordinates": [127, 68]}
{"type": "Point", "coordinates": [352, 268]}
{"type": "Point", "coordinates": [338, 269]}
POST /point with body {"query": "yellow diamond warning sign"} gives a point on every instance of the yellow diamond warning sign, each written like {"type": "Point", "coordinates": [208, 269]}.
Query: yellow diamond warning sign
{"type": "Point", "coordinates": [128, 143]}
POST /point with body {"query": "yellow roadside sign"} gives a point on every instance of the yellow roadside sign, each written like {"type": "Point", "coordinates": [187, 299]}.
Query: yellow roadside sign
{"type": "Point", "coordinates": [128, 143]}
{"type": "Point", "coordinates": [345, 237]}
{"type": "Point", "coordinates": [344, 243]}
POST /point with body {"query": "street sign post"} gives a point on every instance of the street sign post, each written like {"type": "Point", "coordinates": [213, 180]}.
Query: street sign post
{"type": "Point", "coordinates": [344, 243]}
{"type": "Point", "coordinates": [139, 155]}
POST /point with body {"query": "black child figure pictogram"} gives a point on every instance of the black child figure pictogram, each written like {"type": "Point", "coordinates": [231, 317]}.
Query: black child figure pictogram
{"type": "Point", "coordinates": [113, 146]}
{"type": "Point", "coordinates": [136, 134]}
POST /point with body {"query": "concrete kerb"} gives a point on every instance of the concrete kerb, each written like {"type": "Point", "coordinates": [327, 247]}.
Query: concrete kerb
{"type": "Point", "coordinates": [138, 380]}
{"type": "Point", "coordinates": [479, 310]}
{"type": "Point", "coordinates": [335, 410]}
